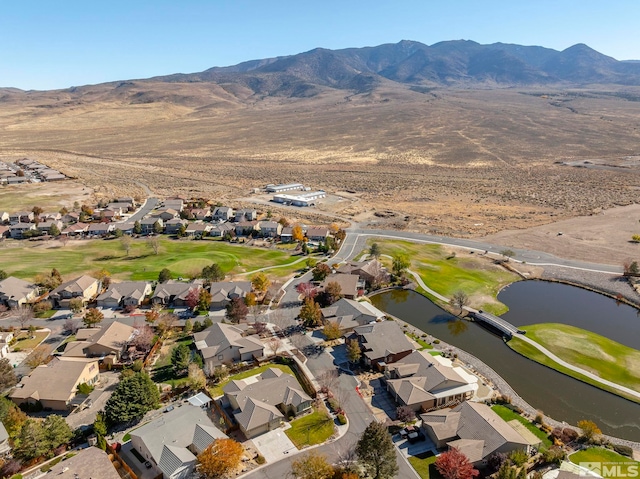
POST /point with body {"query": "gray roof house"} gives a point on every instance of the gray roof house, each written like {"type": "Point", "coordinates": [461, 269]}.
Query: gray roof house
{"type": "Point", "coordinates": [225, 343]}
{"type": "Point", "coordinates": [147, 224]}
{"type": "Point", "coordinates": [172, 441]}
{"type": "Point", "coordinates": [222, 292]}
{"type": "Point", "coordinates": [18, 229]}
{"type": "Point", "coordinates": [15, 292]}
{"type": "Point", "coordinates": [424, 382]}
{"type": "Point", "coordinates": [350, 314]}
{"type": "Point", "coordinates": [246, 215]}
{"type": "Point", "coordinates": [369, 271]}
{"type": "Point", "coordinates": [106, 340]}
{"type": "Point", "coordinates": [382, 343]}
{"type": "Point", "coordinates": [174, 292]}
{"type": "Point", "coordinates": [270, 229]}
{"type": "Point", "coordinates": [172, 226]}
{"type": "Point", "coordinates": [127, 293]}
{"type": "Point", "coordinates": [474, 429]}
{"type": "Point", "coordinates": [261, 402]}
{"type": "Point", "coordinates": [223, 213]}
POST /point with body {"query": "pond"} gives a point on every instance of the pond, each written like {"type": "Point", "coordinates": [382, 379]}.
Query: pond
{"type": "Point", "coordinates": [560, 397]}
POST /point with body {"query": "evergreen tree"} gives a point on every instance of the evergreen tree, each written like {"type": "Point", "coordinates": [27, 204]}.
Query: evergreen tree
{"type": "Point", "coordinates": [132, 399]}
{"type": "Point", "coordinates": [376, 452]}
{"type": "Point", "coordinates": [180, 356]}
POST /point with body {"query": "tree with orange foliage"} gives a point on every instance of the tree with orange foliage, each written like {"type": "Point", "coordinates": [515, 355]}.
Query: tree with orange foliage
{"type": "Point", "coordinates": [296, 233]}
{"type": "Point", "coordinates": [220, 458]}
{"type": "Point", "coordinates": [453, 464]}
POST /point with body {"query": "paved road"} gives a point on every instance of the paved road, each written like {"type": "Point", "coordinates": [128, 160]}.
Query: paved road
{"type": "Point", "coordinates": [359, 416]}
{"type": "Point", "coordinates": [537, 258]}
{"type": "Point", "coordinates": [144, 210]}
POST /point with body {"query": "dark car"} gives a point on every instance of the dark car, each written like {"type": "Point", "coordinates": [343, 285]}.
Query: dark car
{"type": "Point", "coordinates": [415, 436]}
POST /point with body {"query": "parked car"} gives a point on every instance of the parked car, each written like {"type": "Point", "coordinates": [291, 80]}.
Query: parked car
{"type": "Point", "coordinates": [415, 436]}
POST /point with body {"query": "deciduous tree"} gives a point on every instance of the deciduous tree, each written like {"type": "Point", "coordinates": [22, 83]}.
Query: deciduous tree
{"type": "Point", "coordinates": [310, 313]}
{"type": "Point", "coordinates": [321, 271]}
{"type": "Point", "coordinates": [192, 298]}
{"type": "Point", "coordinates": [260, 282]}
{"type": "Point", "coordinates": [125, 242]}
{"type": "Point", "coordinates": [589, 430]}
{"type": "Point", "coordinates": [376, 452]}
{"type": "Point", "coordinates": [307, 290]}
{"type": "Point", "coordinates": [76, 304]}
{"type": "Point", "coordinates": [92, 317]}
{"type": "Point", "coordinates": [37, 357]}
{"type": "Point", "coordinates": [353, 351]}
{"type": "Point", "coordinates": [332, 330]}
{"type": "Point", "coordinates": [197, 379]}
{"type": "Point", "coordinates": [3, 275]}
{"type": "Point", "coordinates": [274, 345]}
{"type": "Point", "coordinates": [332, 293]}
{"type": "Point", "coordinates": [400, 262]}
{"type": "Point", "coordinates": [220, 458]}
{"type": "Point", "coordinates": [154, 244]}
{"type": "Point", "coordinates": [312, 466]}
{"type": "Point", "coordinates": [460, 299]}
{"type": "Point", "coordinates": [374, 251]}
{"type": "Point", "coordinates": [237, 311]}
{"type": "Point", "coordinates": [7, 375]}
{"type": "Point", "coordinates": [70, 326]}
{"type": "Point", "coordinates": [453, 464]}
{"type": "Point", "coordinates": [204, 299]}
{"type": "Point", "coordinates": [297, 233]}
{"type": "Point", "coordinates": [405, 414]}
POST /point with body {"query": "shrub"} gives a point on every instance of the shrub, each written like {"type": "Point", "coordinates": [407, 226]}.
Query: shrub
{"type": "Point", "coordinates": [84, 388]}
{"type": "Point", "coordinates": [334, 405]}
{"type": "Point", "coordinates": [554, 455]}
{"type": "Point", "coordinates": [518, 457]}
{"type": "Point", "coordinates": [624, 450]}
{"type": "Point", "coordinates": [436, 341]}
{"type": "Point", "coordinates": [42, 306]}
{"type": "Point", "coordinates": [260, 459]}
{"type": "Point", "coordinates": [342, 420]}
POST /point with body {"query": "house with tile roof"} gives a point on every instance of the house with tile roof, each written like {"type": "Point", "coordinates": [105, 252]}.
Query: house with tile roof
{"type": "Point", "coordinates": [260, 403]}
{"type": "Point", "coordinates": [172, 442]}
{"type": "Point", "coordinates": [473, 428]}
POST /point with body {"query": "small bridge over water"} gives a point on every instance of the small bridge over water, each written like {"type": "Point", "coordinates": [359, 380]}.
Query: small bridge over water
{"type": "Point", "coordinates": [505, 327]}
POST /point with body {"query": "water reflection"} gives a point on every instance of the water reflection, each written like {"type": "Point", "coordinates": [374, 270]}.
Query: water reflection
{"type": "Point", "coordinates": [559, 396]}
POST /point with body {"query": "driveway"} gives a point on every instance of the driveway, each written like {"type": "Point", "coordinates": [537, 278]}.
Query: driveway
{"type": "Point", "coordinates": [98, 397]}
{"type": "Point", "coordinates": [274, 445]}
{"type": "Point", "coordinates": [407, 449]}
{"type": "Point", "coordinates": [381, 402]}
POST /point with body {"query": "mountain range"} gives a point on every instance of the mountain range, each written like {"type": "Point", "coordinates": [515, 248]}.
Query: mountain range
{"type": "Point", "coordinates": [459, 63]}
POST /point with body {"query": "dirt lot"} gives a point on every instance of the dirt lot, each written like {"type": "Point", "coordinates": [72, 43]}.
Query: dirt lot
{"type": "Point", "coordinates": [454, 162]}
{"type": "Point", "coordinates": [603, 237]}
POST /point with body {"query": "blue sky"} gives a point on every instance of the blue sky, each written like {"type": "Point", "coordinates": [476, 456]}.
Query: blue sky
{"type": "Point", "coordinates": [48, 44]}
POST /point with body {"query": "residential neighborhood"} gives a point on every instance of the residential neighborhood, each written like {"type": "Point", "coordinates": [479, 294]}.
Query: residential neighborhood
{"type": "Point", "coordinates": [228, 360]}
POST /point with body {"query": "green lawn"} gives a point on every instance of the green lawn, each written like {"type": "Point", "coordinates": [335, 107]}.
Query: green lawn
{"type": "Point", "coordinates": [25, 341]}
{"type": "Point", "coordinates": [423, 344]}
{"type": "Point", "coordinates": [597, 354]}
{"type": "Point", "coordinates": [610, 459]}
{"type": "Point", "coordinates": [216, 390]}
{"type": "Point", "coordinates": [445, 274]}
{"type": "Point", "coordinates": [184, 258]}
{"type": "Point", "coordinates": [509, 415]}
{"type": "Point", "coordinates": [163, 371]}
{"type": "Point", "coordinates": [424, 466]}
{"type": "Point", "coordinates": [314, 428]}
{"type": "Point", "coordinates": [46, 314]}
